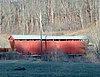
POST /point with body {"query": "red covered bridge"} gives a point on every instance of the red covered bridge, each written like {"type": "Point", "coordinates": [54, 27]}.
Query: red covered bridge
{"type": "Point", "coordinates": [31, 44]}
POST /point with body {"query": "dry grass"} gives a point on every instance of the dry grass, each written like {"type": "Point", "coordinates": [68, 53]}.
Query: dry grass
{"type": "Point", "coordinates": [92, 31]}
{"type": "Point", "coordinates": [4, 42]}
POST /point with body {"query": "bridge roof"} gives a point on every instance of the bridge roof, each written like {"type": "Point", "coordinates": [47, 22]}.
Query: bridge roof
{"type": "Point", "coordinates": [38, 37]}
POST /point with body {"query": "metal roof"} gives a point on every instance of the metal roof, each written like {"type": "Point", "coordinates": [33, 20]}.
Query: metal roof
{"type": "Point", "coordinates": [27, 37]}
{"type": "Point", "coordinates": [16, 37]}
{"type": "Point", "coordinates": [67, 37]}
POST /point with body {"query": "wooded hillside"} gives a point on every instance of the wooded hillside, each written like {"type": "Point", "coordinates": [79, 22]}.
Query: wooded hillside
{"type": "Point", "coordinates": [23, 16]}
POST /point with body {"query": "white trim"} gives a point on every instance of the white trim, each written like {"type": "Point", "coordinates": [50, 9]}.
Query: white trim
{"type": "Point", "coordinates": [37, 37]}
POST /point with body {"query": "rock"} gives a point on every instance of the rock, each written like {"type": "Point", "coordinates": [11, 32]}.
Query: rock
{"type": "Point", "coordinates": [20, 69]}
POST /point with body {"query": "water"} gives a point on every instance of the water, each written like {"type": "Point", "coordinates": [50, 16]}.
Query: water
{"type": "Point", "coordinates": [48, 69]}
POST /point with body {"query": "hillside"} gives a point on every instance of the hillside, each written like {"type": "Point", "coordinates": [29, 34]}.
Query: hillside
{"type": "Point", "coordinates": [92, 31]}
{"type": "Point", "coordinates": [25, 17]}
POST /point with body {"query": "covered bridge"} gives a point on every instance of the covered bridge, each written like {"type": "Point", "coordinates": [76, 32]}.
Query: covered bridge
{"type": "Point", "coordinates": [31, 44]}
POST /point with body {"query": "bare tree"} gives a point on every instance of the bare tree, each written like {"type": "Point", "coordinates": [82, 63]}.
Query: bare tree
{"type": "Point", "coordinates": [22, 16]}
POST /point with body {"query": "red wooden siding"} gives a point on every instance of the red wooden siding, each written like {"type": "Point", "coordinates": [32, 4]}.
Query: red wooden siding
{"type": "Point", "coordinates": [66, 47]}
{"type": "Point", "coordinates": [31, 44]}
